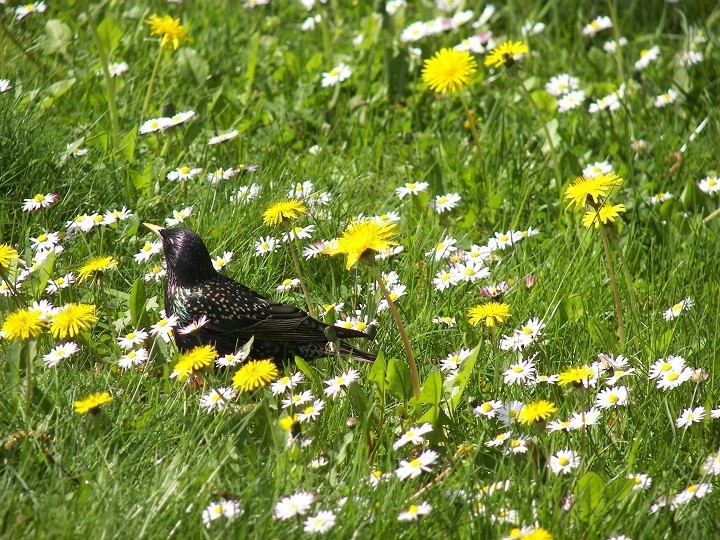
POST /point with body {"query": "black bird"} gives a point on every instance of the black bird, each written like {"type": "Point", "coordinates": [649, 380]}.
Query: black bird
{"type": "Point", "coordinates": [236, 313]}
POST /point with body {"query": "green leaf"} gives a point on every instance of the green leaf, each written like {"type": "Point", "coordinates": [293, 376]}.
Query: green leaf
{"type": "Point", "coordinates": [377, 373]}
{"type": "Point", "coordinates": [142, 180]}
{"type": "Point", "coordinates": [463, 377]}
{"type": "Point", "coordinates": [308, 372]}
{"type": "Point", "coordinates": [571, 308]}
{"type": "Point", "coordinates": [431, 391]}
{"type": "Point", "coordinates": [12, 364]}
{"type": "Point", "coordinates": [56, 91]}
{"type": "Point", "coordinates": [110, 34]}
{"type": "Point", "coordinates": [398, 379]}
{"type": "Point", "coordinates": [250, 64]}
{"type": "Point", "coordinates": [57, 37]}
{"type": "Point", "coordinates": [127, 145]}
{"type": "Point", "coordinates": [601, 335]}
{"type": "Point", "coordinates": [358, 399]}
{"type": "Point", "coordinates": [138, 299]}
{"type": "Point", "coordinates": [588, 496]}
{"type": "Point", "coordinates": [41, 276]}
{"type": "Point", "coordinates": [192, 66]}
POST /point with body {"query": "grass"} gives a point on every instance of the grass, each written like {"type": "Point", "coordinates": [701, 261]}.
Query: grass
{"type": "Point", "coordinates": [151, 461]}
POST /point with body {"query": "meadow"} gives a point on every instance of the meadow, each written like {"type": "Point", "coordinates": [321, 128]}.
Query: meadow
{"type": "Point", "coordinates": [518, 201]}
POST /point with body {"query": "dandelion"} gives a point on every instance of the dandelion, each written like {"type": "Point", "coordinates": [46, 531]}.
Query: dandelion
{"type": "Point", "coordinates": [577, 376]}
{"type": "Point", "coordinates": [491, 313]}
{"type": "Point", "coordinates": [449, 70]}
{"type": "Point", "coordinates": [536, 411]}
{"type": "Point", "coordinates": [506, 54]}
{"type": "Point", "coordinates": [8, 254]}
{"type": "Point", "coordinates": [96, 265]}
{"type": "Point", "coordinates": [72, 319]}
{"type": "Point", "coordinates": [414, 467]}
{"type": "Point", "coordinates": [194, 361]}
{"type": "Point", "coordinates": [283, 211]}
{"type": "Point", "coordinates": [59, 353]}
{"type": "Point", "coordinates": [320, 523]}
{"type": "Point", "coordinates": [363, 239]}
{"type": "Point", "coordinates": [172, 32]}
{"type": "Point", "coordinates": [92, 403]}
{"type": "Point", "coordinates": [590, 190]}
{"type": "Point", "coordinates": [415, 511]}
{"type": "Point", "coordinates": [255, 374]}
{"type": "Point", "coordinates": [336, 75]}
{"type": "Point", "coordinates": [608, 213]}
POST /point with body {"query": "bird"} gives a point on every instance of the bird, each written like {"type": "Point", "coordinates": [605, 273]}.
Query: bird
{"type": "Point", "coordinates": [227, 314]}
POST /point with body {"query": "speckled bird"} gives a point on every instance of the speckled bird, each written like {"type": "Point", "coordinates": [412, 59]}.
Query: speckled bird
{"type": "Point", "coordinates": [236, 313]}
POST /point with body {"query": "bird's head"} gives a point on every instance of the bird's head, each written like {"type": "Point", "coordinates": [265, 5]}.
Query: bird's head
{"type": "Point", "coordinates": [187, 258]}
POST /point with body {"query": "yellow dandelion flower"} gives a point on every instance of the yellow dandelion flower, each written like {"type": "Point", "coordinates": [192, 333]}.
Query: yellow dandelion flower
{"type": "Point", "coordinates": [606, 214]}
{"type": "Point", "coordinates": [73, 319]}
{"type": "Point", "coordinates": [23, 324]}
{"type": "Point", "coordinates": [491, 313]}
{"type": "Point", "coordinates": [92, 403]}
{"type": "Point", "coordinates": [529, 533]}
{"type": "Point", "coordinates": [363, 239]}
{"type": "Point", "coordinates": [193, 361]}
{"type": "Point", "coordinates": [282, 211]}
{"type": "Point", "coordinates": [586, 190]}
{"type": "Point", "coordinates": [255, 374]}
{"type": "Point", "coordinates": [506, 54]}
{"type": "Point", "coordinates": [576, 376]}
{"type": "Point", "coordinates": [172, 32]}
{"type": "Point", "coordinates": [448, 70]}
{"type": "Point", "coordinates": [287, 423]}
{"type": "Point", "coordinates": [7, 255]}
{"type": "Point", "coordinates": [97, 264]}
{"type": "Point", "coordinates": [536, 411]}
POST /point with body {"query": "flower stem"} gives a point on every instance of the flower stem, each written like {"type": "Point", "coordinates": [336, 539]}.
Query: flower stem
{"type": "Point", "coordinates": [109, 81]}
{"type": "Point", "coordinates": [28, 378]}
{"type": "Point", "coordinates": [151, 84]}
{"type": "Point", "coordinates": [414, 378]}
{"type": "Point", "coordinates": [480, 156]}
{"type": "Point", "coordinates": [613, 283]}
{"type": "Point", "coordinates": [303, 285]}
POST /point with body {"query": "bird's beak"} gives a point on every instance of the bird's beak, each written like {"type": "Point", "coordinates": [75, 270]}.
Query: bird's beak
{"type": "Point", "coordinates": [154, 228]}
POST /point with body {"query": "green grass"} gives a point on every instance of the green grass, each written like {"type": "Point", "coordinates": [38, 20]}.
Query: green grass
{"type": "Point", "coordinates": [152, 460]}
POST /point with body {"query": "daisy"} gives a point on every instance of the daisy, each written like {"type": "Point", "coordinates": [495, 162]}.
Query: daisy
{"type": "Point", "coordinates": [336, 75]}
{"type": "Point", "coordinates": [45, 241]}
{"type": "Point", "coordinates": [470, 272]}
{"type": "Point", "coordinates": [571, 100]}
{"type": "Point", "coordinates": [224, 137]}
{"type": "Point", "coordinates": [562, 84]}
{"type": "Point", "coordinates": [133, 358]}
{"type": "Point", "coordinates": [443, 203]}
{"type": "Point", "coordinates": [674, 378]}
{"type": "Point", "coordinates": [519, 445]}
{"type": "Point", "coordinates": [39, 201]}
{"type": "Point", "coordinates": [612, 45]}
{"type": "Point", "coordinates": [286, 383]}
{"type": "Point", "coordinates": [564, 461]}
{"type": "Point", "coordinates": [584, 419]}
{"type": "Point", "coordinates": [665, 99]}
{"type": "Point", "coordinates": [226, 508]}
{"type": "Point", "coordinates": [344, 380]}
{"type": "Point", "coordinates": [288, 284]}
{"type": "Point", "coordinates": [522, 371]}
{"type": "Point", "coordinates": [298, 233]}
{"type": "Point", "coordinates": [129, 340]}
{"type": "Point", "coordinates": [709, 185]}
{"type": "Point", "coordinates": [113, 216]}
{"type": "Point", "coordinates": [509, 412]}
{"type": "Point", "coordinates": [156, 273]}
{"type": "Point", "coordinates": [639, 481]}
{"type": "Point", "coordinates": [413, 435]}
{"type": "Point", "coordinates": [597, 25]}
{"type": "Point", "coordinates": [179, 216]}
{"type": "Point", "coordinates": [245, 194]}
{"type": "Point", "coordinates": [499, 439]}
{"type": "Point", "coordinates": [147, 251]}
{"type": "Point", "coordinates": [411, 188]}
{"type": "Point", "coordinates": [163, 328]}
{"type": "Point", "coordinates": [320, 523]}
{"type": "Point", "coordinates": [488, 409]}
{"type": "Point", "coordinates": [599, 168]}
{"type": "Point", "coordinates": [689, 58]}
{"type": "Point", "coordinates": [60, 353]}
{"type": "Point", "coordinates": [612, 397]}
{"type": "Point", "coordinates": [414, 32]}
{"type": "Point", "coordinates": [220, 262]}
{"type": "Point", "coordinates": [690, 416]}
{"type": "Point", "coordinates": [660, 198]}
{"type": "Point", "coordinates": [444, 279]}
{"type": "Point", "coordinates": [694, 491]}
{"type": "Point", "coordinates": [665, 365]}
{"type": "Point", "coordinates": [217, 398]}
{"type": "Point", "coordinates": [23, 11]}
{"type": "Point", "coordinates": [453, 360]}
{"type": "Point", "coordinates": [180, 118]}
{"type": "Point", "coordinates": [675, 311]}
{"type": "Point", "coordinates": [646, 57]}
{"type": "Point", "coordinates": [294, 505]}
{"type": "Point", "coordinates": [154, 124]}
{"type": "Point", "coordinates": [311, 412]}
{"type": "Point", "coordinates": [63, 282]}
{"type": "Point", "coordinates": [617, 375]}
{"type": "Point", "coordinates": [558, 425]}
{"type": "Point", "coordinates": [266, 244]}
{"type": "Point", "coordinates": [711, 465]}
{"type": "Point", "coordinates": [414, 512]}
{"type": "Point", "coordinates": [414, 467]}
{"type": "Point", "coordinates": [5, 85]}
{"type": "Point", "coordinates": [444, 319]}
{"type": "Point", "coordinates": [194, 325]}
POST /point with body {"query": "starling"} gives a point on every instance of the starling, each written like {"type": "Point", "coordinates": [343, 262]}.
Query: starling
{"type": "Point", "coordinates": [235, 313]}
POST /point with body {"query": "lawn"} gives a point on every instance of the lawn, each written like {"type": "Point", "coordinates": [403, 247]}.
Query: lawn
{"type": "Point", "coordinates": [516, 203]}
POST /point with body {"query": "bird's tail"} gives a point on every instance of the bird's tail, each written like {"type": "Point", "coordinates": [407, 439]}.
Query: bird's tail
{"type": "Point", "coordinates": [357, 354]}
